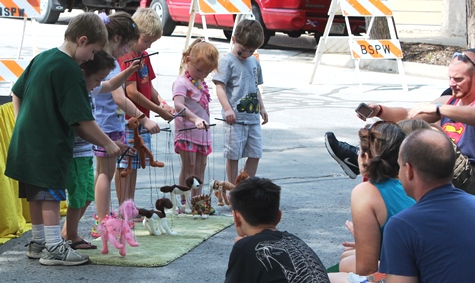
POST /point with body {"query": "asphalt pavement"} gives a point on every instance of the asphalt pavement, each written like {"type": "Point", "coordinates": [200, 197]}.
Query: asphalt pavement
{"type": "Point", "coordinates": [315, 191]}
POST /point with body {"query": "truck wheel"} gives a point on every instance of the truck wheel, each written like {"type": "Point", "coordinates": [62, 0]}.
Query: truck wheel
{"type": "Point", "coordinates": [256, 12]}
{"type": "Point", "coordinates": [161, 7]}
{"type": "Point", "coordinates": [48, 15]}
{"type": "Point", "coordinates": [227, 33]}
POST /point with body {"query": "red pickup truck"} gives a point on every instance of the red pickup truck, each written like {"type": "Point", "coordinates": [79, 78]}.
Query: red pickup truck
{"type": "Point", "coordinates": [292, 17]}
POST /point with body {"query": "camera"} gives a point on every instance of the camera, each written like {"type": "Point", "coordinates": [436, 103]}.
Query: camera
{"type": "Point", "coordinates": [364, 110]}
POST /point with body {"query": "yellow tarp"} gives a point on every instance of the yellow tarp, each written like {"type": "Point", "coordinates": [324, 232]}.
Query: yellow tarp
{"type": "Point", "coordinates": [14, 212]}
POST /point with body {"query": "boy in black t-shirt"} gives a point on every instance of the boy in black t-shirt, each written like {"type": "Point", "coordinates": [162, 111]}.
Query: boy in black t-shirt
{"type": "Point", "coordinates": [261, 253]}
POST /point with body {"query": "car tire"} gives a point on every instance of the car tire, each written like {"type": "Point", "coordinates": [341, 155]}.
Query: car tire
{"type": "Point", "coordinates": [227, 33]}
{"type": "Point", "coordinates": [256, 12]}
{"type": "Point", "coordinates": [48, 15]}
{"type": "Point", "coordinates": [161, 7]}
{"type": "Point", "coordinates": [317, 37]}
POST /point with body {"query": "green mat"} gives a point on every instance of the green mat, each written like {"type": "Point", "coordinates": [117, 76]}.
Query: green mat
{"type": "Point", "coordinates": [162, 249]}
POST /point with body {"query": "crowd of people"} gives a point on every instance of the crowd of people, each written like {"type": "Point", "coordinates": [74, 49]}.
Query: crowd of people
{"type": "Point", "coordinates": [435, 165]}
{"type": "Point", "coordinates": [86, 116]}
{"type": "Point", "coordinates": [412, 217]}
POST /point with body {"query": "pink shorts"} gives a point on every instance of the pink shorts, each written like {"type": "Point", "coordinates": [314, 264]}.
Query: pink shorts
{"type": "Point", "coordinates": [188, 146]}
{"type": "Point", "coordinates": [115, 136]}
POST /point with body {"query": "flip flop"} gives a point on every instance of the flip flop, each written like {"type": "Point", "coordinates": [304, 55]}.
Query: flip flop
{"type": "Point", "coordinates": [83, 245]}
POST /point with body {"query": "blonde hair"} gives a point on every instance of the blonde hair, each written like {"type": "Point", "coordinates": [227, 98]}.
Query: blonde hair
{"type": "Point", "coordinates": [148, 22]}
{"type": "Point", "coordinates": [201, 51]}
{"type": "Point", "coordinates": [87, 24]}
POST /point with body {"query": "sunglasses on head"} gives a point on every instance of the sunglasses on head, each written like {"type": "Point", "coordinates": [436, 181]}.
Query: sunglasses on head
{"type": "Point", "coordinates": [462, 57]}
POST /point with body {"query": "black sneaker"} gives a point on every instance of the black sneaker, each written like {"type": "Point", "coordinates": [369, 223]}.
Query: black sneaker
{"type": "Point", "coordinates": [345, 154]}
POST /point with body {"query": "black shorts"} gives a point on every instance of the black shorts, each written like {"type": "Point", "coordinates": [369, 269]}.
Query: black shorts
{"type": "Point", "coordinates": [32, 193]}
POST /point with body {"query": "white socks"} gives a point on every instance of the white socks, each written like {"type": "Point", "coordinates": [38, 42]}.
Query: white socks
{"type": "Point", "coordinates": [52, 235]}
{"type": "Point", "coordinates": [38, 233]}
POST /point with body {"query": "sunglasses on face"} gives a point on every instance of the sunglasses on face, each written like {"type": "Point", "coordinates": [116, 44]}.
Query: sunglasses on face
{"type": "Point", "coordinates": [462, 57]}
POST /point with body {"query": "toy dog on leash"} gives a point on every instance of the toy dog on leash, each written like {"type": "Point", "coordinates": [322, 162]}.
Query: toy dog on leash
{"type": "Point", "coordinates": [140, 147]}
{"type": "Point", "coordinates": [159, 215]}
{"type": "Point", "coordinates": [221, 188]}
{"type": "Point", "coordinates": [220, 191]}
{"type": "Point", "coordinates": [117, 231]}
{"type": "Point", "coordinates": [192, 182]}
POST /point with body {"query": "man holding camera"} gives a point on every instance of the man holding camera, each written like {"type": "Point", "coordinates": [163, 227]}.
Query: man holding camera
{"type": "Point", "coordinates": [454, 109]}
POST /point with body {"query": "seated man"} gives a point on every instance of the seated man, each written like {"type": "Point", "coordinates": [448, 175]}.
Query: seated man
{"type": "Point", "coordinates": [261, 253]}
{"type": "Point", "coordinates": [455, 113]}
{"type": "Point", "coordinates": [430, 241]}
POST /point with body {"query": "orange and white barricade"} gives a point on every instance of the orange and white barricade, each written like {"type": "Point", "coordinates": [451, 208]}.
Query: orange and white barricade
{"type": "Point", "coordinates": [224, 7]}
{"type": "Point", "coordinates": [375, 49]}
{"type": "Point", "coordinates": [20, 8]}
{"type": "Point", "coordinates": [206, 7]}
{"type": "Point", "coordinates": [365, 8]}
{"type": "Point", "coordinates": [11, 69]}
{"type": "Point", "coordinates": [363, 47]}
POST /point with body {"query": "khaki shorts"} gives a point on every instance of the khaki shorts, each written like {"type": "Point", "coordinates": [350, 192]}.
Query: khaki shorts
{"type": "Point", "coordinates": [242, 141]}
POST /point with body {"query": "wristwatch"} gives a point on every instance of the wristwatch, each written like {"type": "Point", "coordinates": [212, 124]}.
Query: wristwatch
{"type": "Point", "coordinates": [437, 108]}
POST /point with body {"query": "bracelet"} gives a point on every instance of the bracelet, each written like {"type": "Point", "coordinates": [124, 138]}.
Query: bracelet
{"type": "Point", "coordinates": [164, 102]}
{"type": "Point", "coordinates": [380, 111]}
{"type": "Point", "coordinates": [142, 116]}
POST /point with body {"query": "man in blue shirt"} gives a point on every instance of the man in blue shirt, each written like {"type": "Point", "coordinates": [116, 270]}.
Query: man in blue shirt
{"type": "Point", "coordinates": [432, 241]}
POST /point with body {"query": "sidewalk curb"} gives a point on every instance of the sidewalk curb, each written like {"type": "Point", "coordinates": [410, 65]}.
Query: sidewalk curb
{"type": "Point", "coordinates": [386, 65]}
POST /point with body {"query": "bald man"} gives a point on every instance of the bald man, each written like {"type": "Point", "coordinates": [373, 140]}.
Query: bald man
{"type": "Point", "coordinates": [432, 241]}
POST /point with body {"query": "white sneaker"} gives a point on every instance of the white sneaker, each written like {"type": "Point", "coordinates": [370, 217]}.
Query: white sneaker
{"type": "Point", "coordinates": [35, 249]}
{"type": "Point", "coordinates": [62, 254]}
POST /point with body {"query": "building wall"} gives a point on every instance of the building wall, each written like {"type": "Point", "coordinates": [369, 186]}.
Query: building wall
{"type": "Point", "coordinates": [454, 21]}
{"type": "Point", "coordinates": [448, 16]}
{"type": "Point", "coordinates": [417, 12]}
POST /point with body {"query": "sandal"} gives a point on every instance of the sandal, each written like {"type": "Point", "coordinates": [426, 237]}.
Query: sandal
{"type": "Point", "coordinates": [82, 245]}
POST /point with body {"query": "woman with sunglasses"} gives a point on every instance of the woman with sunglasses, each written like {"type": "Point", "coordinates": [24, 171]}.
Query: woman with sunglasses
{"type": "Point", "coordinates": [373, 202]}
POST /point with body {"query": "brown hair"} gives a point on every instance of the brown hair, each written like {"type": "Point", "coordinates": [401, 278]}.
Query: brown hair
{"type": "Point", "coordinates": [201, 51]}
{"type": "Point", "coordinates": [87, 24]}
{"type": "Point", "coordinates": [121, 24]}
{"type": "Point", "coordinates": [381, 141]}
{"type": "Point", "coordinates": [102, 61]}
{"type": "Point", "coordinates": [249, 33]}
